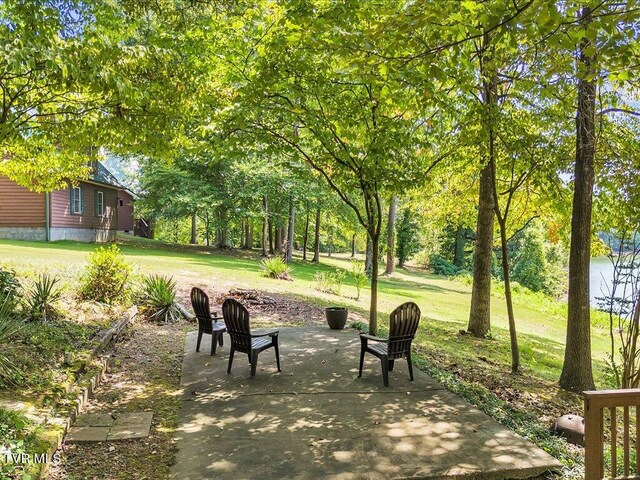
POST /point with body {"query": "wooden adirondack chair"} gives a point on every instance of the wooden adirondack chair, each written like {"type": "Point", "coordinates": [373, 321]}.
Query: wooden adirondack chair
{"type": "Point", "coordinates": [207, 323]}
{"type": "Point", "coordinates": [236, 318]}
{"type": "Point", "coordinates": [403, 326]}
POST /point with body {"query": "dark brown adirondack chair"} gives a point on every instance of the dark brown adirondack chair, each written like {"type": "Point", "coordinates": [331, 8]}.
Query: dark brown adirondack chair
{"type": "Point", "coordinates": [207, 323]}
{"type": "Point", "coordinates": [402, 328]}
{"type": "Point", "coordinates": [236, 318]}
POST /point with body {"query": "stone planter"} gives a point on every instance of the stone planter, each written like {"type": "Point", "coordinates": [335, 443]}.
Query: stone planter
{"type": "Point", "coordinates": [336, 317]}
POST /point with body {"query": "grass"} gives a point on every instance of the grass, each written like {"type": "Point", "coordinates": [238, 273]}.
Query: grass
{"type": "Point", "coordinates": [476, 369]}
{"type": "Point", "coordinates": [541, 322]}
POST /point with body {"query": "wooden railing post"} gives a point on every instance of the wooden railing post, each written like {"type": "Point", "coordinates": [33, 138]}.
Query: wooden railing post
{"type": "Point", "coordinates": [593, 438]}
{"type": "Point", "coordinates": [594, 404]}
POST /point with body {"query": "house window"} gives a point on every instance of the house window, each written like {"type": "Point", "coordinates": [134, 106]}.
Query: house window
{"type": "Point", "coordinates": [100, 204]}
{"type": "Point", "coordinates": [77, 203]}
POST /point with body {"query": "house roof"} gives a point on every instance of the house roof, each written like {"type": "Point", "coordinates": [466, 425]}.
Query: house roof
{"type": "Point", "coordinates": [100, 174]}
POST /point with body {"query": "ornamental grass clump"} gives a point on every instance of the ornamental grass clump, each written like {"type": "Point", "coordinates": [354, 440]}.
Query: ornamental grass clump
{"type": "Point", "coordinates": [41, 299]}
{"type": "Point", "coordinates": [275, 267]}
{"type": "Point", "coordinates": [159, 298]}
{"type": "Point", "coordinates": [330, 282]}
{"type": "Point", "coordinates": [106, 277]}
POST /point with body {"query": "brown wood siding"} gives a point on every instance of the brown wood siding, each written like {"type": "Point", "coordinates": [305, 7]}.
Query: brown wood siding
{"type": "Point", "coordinates": [125, 212]}
{"type": "Point", "coordinates": [19, 206]}
{"type": "Point", "coordinates": [61, 214]}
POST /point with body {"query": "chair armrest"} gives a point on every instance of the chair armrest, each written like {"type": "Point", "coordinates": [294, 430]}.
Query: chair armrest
{"type": "Point", "coordinates": [366, 336]}
{"type": "Point", "coordinates": [272, 333]}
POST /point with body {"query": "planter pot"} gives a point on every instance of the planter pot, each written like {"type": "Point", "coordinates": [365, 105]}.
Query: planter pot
{"type": "Point", "coordinates": [336, 317]}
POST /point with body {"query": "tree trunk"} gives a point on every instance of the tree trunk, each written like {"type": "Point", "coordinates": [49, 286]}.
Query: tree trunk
{"type": "Point", "coordinates": [368, 258]}
{"type": "Point", "coordinates": [577, 374]}
{"type": "Point", "coordinates": [316, 242]}
{"type": "Point", "coordinates": [330, 240]}
{"type": "Point", "coordinates": [194, 239]}
{"type": "Point", "coordinates": [515, 353]}
{"type": "Point", "coordinates": [271, 235]}
{"type": "Point", "coordinates": [265, 227]}
{"type": "Point", "coordinates": [206, 228]}
{"type": "Point", "coordinates": [305, 240]}
{"type": "Point", "coordinates": [278, 245]}
{"type": "Point", "coordinates": [353, 245]}
{"type": "Point", "coordinates": [458, 253]}
{"type": "Point", "coordinates": [242, 234]}
{"type": "Point", "coordinates": [246, 245]}
{"type": "Point", "coordinates": [249, 234]}
{"type": "Point", "coordinates": [480, 314]}
{"type": "Point", "coordinates": [224, 229]}
{"type": "Point", "coordinates": [291, 230]}
{"type": "Point", "coordinates": [391, 237]}
{"type": "Point", "coordinates": [373, 306]}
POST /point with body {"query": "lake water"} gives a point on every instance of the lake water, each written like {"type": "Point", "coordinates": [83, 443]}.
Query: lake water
{"type": "Point", "coordinates": [600, 271]}
{"type": "Point", "coordinates": [601, 274]}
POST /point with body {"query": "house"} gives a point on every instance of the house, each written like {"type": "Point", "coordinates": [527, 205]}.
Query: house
{"type": "Point", "coordinates": [126, 222]}
{"type": "Point", "coordinates": [87, 212]}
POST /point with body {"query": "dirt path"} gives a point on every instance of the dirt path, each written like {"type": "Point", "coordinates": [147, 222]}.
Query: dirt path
{"type": "Point", "coordinates": [144, 375]}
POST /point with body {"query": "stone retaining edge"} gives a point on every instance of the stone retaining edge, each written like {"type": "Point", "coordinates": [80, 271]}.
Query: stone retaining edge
{"type": "Point", "coordinates": [88, 383]}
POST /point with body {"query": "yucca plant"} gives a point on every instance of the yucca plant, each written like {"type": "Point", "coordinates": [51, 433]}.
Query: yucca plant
{"type": "Point", "coordinates": [10, 325]}
{"type": "Point", "coordinates": [42, 297]}
{"type": "Point", "coordinates": [275, 267]}
{"type": "Point", "coordinates": [159, 298]}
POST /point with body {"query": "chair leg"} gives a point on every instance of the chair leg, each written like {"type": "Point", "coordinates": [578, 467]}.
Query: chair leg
{"type": "Point", "coordinates": [362, 352]}
{"type": "Point", "coordinates": [220, 337]}
{"type": "Point", "coordinates": [410, 366]}
{"type": "Point", "coordinates": [199, 340]}
{"type": "Point", "coordinates": [277, 349]}
{"type": "Point", "coordinates": [214, 342]}
{"type": "Point", "coordinates": [231, 352]}
{"type": "Point", "coordinates": [254, 363]}
{"type": "Point", "coordinates": [391, 363]}
{"type": "Point", "coordinates": [385, 371]}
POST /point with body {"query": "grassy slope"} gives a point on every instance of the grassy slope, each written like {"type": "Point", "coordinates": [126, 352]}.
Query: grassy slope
{"type": "Point", "coordinates": [476, 369]}
{"type": "Point", "coordinates": [444, 303]}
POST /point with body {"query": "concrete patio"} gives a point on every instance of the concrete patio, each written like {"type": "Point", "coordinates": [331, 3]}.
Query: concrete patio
{"type": "Point", "coordinates": [316, 419]}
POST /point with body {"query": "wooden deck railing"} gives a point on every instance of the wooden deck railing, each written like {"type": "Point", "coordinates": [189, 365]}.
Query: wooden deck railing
{"type": "Point", "coordinates": [595, 404]}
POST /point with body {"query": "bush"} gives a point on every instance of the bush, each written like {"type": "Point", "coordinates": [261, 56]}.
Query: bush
{"type": "Point", "coordinates": [442, 266]}
{"type": "Point", "coordinates": [41, 298]}
{"type": "Point", "coordinates": [330, 282]}
{"type": "Point", "coordinates": [106, 278]}
{"type": "Point", "coordinates": [275, 267]}
{"type": "Point", "coordinates": [9, 284]}
{"type": "Point", "coordinates": [10, 325]}
{"type": "Point", "coordinates": [359, 275]}
{"type": "Point", "coordinates": [159, 298]}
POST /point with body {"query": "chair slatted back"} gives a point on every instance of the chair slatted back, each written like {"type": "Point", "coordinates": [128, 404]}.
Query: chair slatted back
{"type": "Point", "coordinates": [200, 305]}
{"type": "Point", "coordinates": [402, 328]}
{"type": "Point", "coordinates": [236, 318]}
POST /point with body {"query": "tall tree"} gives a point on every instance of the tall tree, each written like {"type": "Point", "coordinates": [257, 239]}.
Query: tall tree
{"type": "Point", "coordinates": [577, 373]}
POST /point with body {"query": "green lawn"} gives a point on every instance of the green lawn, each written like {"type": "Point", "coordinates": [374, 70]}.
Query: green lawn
{"type": "Point", "coordinates": [444, 302]}
{"type": "Point", "coordinates": [475, 369]}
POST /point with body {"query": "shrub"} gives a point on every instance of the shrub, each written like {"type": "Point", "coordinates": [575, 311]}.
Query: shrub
{"type": "Point", "coordinates": [106, 278]}
{"type": "Point", "coordinates": [275, 267]}
{"type": "Point", "coordinates": [159, 298]}
{"type": "Point", "coordinates": [330, 282]}
{"type": "Point", "coordinates": [359, 276]}
{"type": "Point", "coordinates": [10, 325]}
{"type": "Point", "coordinates": [9, 284]}
{"type": "Point", "coordinates": [41, 298]}
{"type": "Point", "coordinates": [442, 266]}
